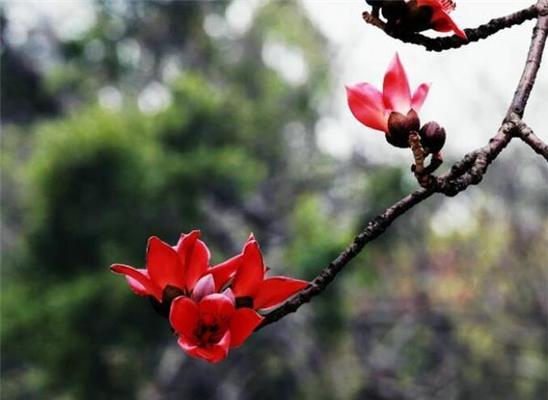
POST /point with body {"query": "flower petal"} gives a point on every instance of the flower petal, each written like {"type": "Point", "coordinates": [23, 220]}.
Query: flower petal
{"type": "Point", "coordinates": [138, 280]}
{"type": "Point", "coordinates": [188, 345]}
{"type": "Point", "coordinates": [197, 264]}
{"type": "Point", "coordinates": [213, 353]}
{"type": "Point", "coordinates": [194, 256]}
{"type": "Point", "coordinates": [215, 306]}
{"type": "Point", "coordinates": [419, 96]}
{"type": "Point", "coordinates": [444, 5]}
{"type": "Point", "coordinates": [163, 264]}
{"type": "Point", "coordinates": [183, 317]}
{"type": "Point", "coordinates": [276, 290]}
{"type": "Point", "coordinates": [224, 271]}
{"type": "Point", "coordinates": [228, 293]}
{"type": "Point", "coordinates": [442, 22]}
{"type": "Point", "coordinates": [396, 92]}
{"type": "Point", "coordinates": [250, 274]}
{"type": "Point", "coordinates": [367, 106]}
{"type": "Point", "coordinates": [205, 286]}
{"type": "Point", "coordinates": [243, 323]}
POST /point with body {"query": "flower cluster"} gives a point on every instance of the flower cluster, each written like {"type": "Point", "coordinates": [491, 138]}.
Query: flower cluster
{"type": "Point", "coordinates": [418, 15]}
{"type": "Point", "coordinates": [211, 308]}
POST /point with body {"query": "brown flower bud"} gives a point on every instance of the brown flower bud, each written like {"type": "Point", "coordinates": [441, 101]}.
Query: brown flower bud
{"type": "Point", "coordinates": [394, 10]}
{"type": "Point", "coordinates": [432, 137]}
{"type": "Point", "coordinates": [416, 19]}
{"type": "Point", "coordinates": [400, 126]}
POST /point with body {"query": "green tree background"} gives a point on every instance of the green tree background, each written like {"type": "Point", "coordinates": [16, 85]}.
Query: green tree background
{"type": "Point", "coordinates": [149, 123]}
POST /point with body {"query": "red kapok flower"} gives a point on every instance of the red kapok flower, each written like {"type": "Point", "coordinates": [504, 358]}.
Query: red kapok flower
{"type": "Point", "coordinates": [251, 288]}
{"type": "Point", "coordinates": [373, 108]}
{"type": "Point", "coordinates": [209, 327]}
{"type": "Point", "coordinates": [440, 20]}
{"type": "Point", "coordinates": [176, 269]}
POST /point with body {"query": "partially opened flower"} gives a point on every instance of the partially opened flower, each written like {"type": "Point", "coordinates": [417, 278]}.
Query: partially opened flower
{"type": "Point", "coordinates": [253, 289]}
{"type": "Point", "coordinates": [439, 20]}
{"type": "Point", "coordinates": [395, 110]}
{"type": "Point", "coordinates": [173, 271]}
{"type": "Point", "coordinates": [209, 327]}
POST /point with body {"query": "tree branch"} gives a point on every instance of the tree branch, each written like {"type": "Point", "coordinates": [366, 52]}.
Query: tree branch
{"type": "Point", "coordinates": [528, 136]}
{"type": "Point", "coordinates": [453, 42]}
{"type": "Point", "coordinates": [534, 58]}
{"type": "Point", "coordinates": [466, 172]}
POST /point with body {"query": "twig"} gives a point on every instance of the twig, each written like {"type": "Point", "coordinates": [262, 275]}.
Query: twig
{"type": "Point", "coordinates": [528, 136]}
{"type": "Point", "coordinates": [465, 172]}
{"type": "Point", "coordinates": [453, 42]}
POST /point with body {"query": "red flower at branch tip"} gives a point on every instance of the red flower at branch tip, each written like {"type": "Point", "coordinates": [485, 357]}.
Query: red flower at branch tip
{"type": "Point", "coordinates": [209, 327]}
{"type": "Point", "coordinates": [373, 108]}
{"type": "Point", "coordinates": [172, 271]}
{"type": "Point", "coordinates": [251, 288]}
{"type": "Point", "coordinates": [440, 20]}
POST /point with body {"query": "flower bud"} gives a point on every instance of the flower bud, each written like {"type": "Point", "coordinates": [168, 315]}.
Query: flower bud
{"type": "Point", "coordinates": [416, 19]}
{"type": "Point", "coordinates": [394, 10]}
{"type": "Point", "coordinates": [432, 137]}
{"type": "Point", "coordinates": [400, 126]}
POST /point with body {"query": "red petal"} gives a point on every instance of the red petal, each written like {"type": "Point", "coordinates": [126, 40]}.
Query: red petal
{"type": "Point", "coordinates": [188, 345]}
{"type": "Point", "coordinates": [224, 271]}
{"type": "Point", "coordinates": [197, 264]}
{"type": "Point", "coordinates": [138, 280]}
{"type": "Point", "coordinates": [442, 22]}
{"type": "Point", "coordinates": [419, 96]}
{"type": "Point", "coordinates": [444, 5]}
{"type": "Point", "coordinates": [194, 256]}
{"type": "Point", "coordinates": [135, 286]}
{"type": "Point", "coordinates": [228, 293]}
{"type": "Point", "coordinates": [183, 317]}
{"type": "Point", "coordinates": [367, 106]}
{"type": "Point", "coordinates": [396, 92]}
{"type": "Point", "coordinates": [276, 290]}
{"type": "Point", "coordinates": [216, 306]}
{"type": "Point", "coordinates": [243, 323]}
{"type": "Point", "coordinates": [250, 275]}
{"type": "Point", "coordinates": [205, 286]}
{"type": "Point", "coordinates": [163, 264]}
{"type": "Point", "coordinates": [212, 353]}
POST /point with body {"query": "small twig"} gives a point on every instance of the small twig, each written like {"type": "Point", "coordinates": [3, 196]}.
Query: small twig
{"type": "Point", "coordinates": [453, 42]}
{"type": "Point", "coordinates": [528, 136]}
{"type": "Point", "coordinates": [419, 154]}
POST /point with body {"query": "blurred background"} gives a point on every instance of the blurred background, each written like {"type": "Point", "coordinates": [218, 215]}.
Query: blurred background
{"type": "Point", "coordinates": [126, 119]}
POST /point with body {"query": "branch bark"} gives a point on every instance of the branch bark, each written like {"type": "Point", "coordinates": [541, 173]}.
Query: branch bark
{"type": "Point", "coordinates": [468, 171]}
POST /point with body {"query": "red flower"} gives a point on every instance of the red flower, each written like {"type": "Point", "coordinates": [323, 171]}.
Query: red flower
{"type": "Point", "coordinates": [372, 108]}
{"type": "Point", "coordinates": [209, 327]}
{"type": "Point", "coordinates": [177, 268]}
{"type": "Point", "coordinates": [440, 20]}
{"type": "Point", "coordinates": [251, 288]}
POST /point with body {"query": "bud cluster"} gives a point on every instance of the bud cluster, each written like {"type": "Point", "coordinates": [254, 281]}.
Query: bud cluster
{"type": "Point", "coordinates": [401, 126]}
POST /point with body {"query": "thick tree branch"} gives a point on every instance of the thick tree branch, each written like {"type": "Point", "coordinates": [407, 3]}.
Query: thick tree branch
{"type": "Point", "coordinates": [466, 172]}
{"type": "Point", "coordinates": [453, 42]}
